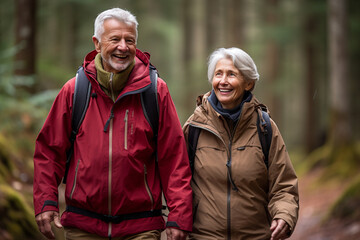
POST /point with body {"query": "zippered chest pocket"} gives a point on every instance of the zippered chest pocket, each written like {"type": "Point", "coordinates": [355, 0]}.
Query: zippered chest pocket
{"type": "Point", "coordinates": [248, 165]}
{"type": "Point", "coordinates": [128, 123]}
{"type": "Point", "coordinates": [126, 128]}
{"type": "Point", "coordinates": [136, 134]}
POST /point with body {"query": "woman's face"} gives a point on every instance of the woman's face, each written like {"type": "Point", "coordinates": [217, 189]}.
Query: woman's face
{"type": "Point", "coordinates": [229, 85]}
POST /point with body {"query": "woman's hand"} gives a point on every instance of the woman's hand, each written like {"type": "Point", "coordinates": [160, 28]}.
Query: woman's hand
{"type": "Point", "coordinates": [280, 229]}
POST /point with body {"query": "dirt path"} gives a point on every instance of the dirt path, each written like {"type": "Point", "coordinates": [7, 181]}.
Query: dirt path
{"type": "Point", "coordinates": [315, 200]}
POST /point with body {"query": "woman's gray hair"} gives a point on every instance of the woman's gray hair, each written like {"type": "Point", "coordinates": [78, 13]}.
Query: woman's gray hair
{"type": "Point", "coordinates": [116, 13]}
{"type": "Point", "coordinates": [241, 60]}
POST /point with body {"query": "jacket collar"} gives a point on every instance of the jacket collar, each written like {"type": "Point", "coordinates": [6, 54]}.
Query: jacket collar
{"type": "Point", "coordinates": [206, 116]}
{"type": "Point", "coordinates": [232, 114]}
{"type": "Point", "coordinates": [138, 80]}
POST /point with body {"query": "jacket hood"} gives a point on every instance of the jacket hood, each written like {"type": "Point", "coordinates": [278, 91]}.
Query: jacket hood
{"type": "Point", "coordinates": [138, 78]}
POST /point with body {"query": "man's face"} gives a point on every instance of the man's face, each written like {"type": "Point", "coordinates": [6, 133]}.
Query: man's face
{"type": "Point", "coordinates": [117, 45]}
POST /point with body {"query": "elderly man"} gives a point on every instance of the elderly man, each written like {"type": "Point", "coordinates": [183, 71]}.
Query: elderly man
{"type": "Point", "coordinates": [118, 170]}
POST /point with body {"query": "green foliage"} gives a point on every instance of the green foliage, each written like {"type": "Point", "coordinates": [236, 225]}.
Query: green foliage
{"type": "Point", "coordinates": [6, 165]}
{"type": "Point", "coordinates": [297, 157]}
{"type": "Point", "coordinates": [52, 74]}
{"type": "Point", "coordinates": [339, 161]}
{"type": "Point", "coordinates": [21, 112]}
{"type": "Point", "coordinates": [22, 115]}
{"type": "Point", "coordinates": [347, 206]}
{"type": "Point", "coordinates": [16, 217]}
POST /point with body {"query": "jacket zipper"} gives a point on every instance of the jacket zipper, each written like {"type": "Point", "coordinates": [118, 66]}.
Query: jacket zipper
{"type": "Point", "coordinates": [230, 182]}
{"type": "Point", "coordinates": [74, 184]}
{"type": "Point", "coordinates": [231, 185]}
{"type": "Point", "coordinates": [148, 188]}
{"type": "Point", "coordinates": [109, 124]}
{"type": "Point", "coordinates": [228, 165]}
{"type": "Point", "coordinates": [111, 87]}
{"type": "Point", "coordinates": [110, 174]}
{"type": "Point", "coordinates": [228, 211]}
{"type": "Point", "coordinates": [229, 188]}
{"type": "Point", "coordinates": [126, 129]}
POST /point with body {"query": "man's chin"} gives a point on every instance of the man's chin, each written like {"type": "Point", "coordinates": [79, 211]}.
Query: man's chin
{"type": "Point", "coordinates": [120, 67]}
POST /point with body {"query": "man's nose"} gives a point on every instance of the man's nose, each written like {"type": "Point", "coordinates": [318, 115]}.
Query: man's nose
{"type": "Point", "coordinates": [122, 45]}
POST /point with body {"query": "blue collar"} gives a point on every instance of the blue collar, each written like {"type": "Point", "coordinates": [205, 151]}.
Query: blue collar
{"type": "Point", "coordinates": [232, 114]}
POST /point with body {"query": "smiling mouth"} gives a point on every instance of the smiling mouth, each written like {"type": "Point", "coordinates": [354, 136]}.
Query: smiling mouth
{"type": "Point", "coordinates": [122, 57]}
{"type": "Point", "coordinates": [225, 90]}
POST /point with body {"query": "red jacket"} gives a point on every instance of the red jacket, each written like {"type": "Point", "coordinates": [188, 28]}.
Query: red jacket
{"type": "Point", "coordinates": [114, 172]}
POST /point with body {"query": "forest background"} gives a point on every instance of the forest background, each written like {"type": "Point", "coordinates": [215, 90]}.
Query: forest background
{"type": "Point", "coordinates": [307, 53]}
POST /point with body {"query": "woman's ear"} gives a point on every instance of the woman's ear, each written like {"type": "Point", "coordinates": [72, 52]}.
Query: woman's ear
{"type": "Point", "coordinates": [250, 85]}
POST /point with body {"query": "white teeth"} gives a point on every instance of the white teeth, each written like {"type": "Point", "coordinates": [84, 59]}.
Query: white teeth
{"type": "Point", "coordinates": [120, 56]}
{"type": "Point", "coordinates": [224, 90]}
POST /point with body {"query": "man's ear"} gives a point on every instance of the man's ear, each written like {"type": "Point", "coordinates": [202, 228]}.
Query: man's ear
{"type": "Point", "coordinates": [96, 43]}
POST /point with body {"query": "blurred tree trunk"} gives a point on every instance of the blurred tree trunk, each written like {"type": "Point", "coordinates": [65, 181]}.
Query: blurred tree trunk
{"type": "Point", "coordinates": [224, 24]}
{"type": "Point", "coordinates": [69, 33]}
{"type": "Point", "coordinates": [340, 131]}
{"type": "Point", "coordinates": [310, 52]}
{"type": "Point", "coordinates": [51, 44]}
{"type": "Point", "coordinates": [272, 62]}
{"type": "Point", "coordinates": [25, 28]}
{"type": "Point", "coordinates": [187, 54]}
{"type": "Point", "coordinates": [213, 32]}
{"type": "Point", "coordinates": [194, 53]}
{"type": "Point", "coordinates": [235, 24]}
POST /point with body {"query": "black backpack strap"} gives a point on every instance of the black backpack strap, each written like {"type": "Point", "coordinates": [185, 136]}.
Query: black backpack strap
{"type": "Point", "coordinates": [114, 219]}
{"type": "Point", "coordinates": [193, 137]}
{"type": "Point", "coordinates": [80, 104]}
{"type": "Point", "coordinates": [265, 135]}
{"type": "Point", "coordinates": [149, 102]}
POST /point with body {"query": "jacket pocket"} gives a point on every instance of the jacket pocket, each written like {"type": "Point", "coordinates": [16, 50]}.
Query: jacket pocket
{"type": "Point", "coordinates": [75, 177]}
{"type": "Point", "coordinates": [148, 188]}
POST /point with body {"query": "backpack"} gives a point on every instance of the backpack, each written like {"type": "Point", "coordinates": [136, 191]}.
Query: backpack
{"type": "Point", "coordinates": [81, 101]}
{"type": "Point", "coordinates": [265, 138]}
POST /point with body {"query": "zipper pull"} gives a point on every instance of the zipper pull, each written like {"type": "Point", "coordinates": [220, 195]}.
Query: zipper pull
{"type": "Point", "coordinates": [111, 87]}
{"type": "Point", "coordinates": [145, 169]}
{"type": "Point", "coordinates": [126, 115]}
{"type": "Point", "coordinates": [108, 121]}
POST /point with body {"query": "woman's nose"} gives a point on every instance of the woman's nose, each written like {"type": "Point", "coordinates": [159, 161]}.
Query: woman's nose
{"type": "Point", "coordinates": [223, 80]}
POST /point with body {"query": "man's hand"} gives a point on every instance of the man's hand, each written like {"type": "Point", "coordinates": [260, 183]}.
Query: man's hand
{"type": "Point", "coordinates": [279, 229]}
{"type": "Point", "coordinates": [175, 234]}
{"type": "Point", "coordinates": [44, 220]}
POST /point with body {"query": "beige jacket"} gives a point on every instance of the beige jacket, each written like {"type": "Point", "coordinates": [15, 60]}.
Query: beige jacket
{"type": "Point", "coordinates": [220, 212]}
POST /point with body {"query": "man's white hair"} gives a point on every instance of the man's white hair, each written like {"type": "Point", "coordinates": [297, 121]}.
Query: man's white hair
{"type": "Point", "coordinates": [116, 13]}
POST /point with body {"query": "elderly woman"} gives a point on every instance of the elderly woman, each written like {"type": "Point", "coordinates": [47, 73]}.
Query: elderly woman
{"type": "Point", "coordinates": [236, 195]}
